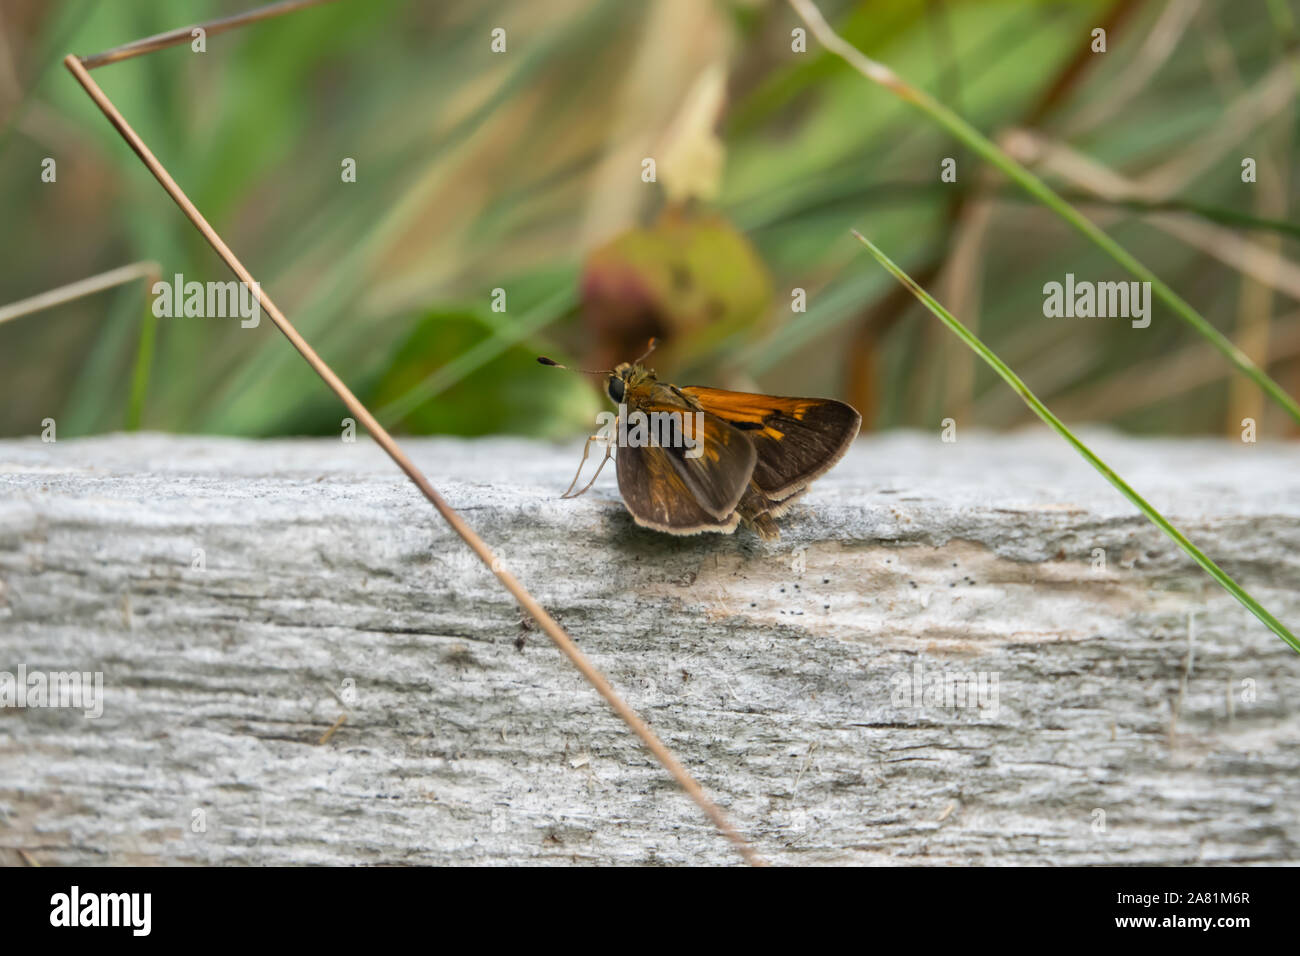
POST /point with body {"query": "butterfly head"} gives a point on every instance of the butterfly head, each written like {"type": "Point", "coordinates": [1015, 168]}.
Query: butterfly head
{"type": "Point", "coordinates": [625, 378]}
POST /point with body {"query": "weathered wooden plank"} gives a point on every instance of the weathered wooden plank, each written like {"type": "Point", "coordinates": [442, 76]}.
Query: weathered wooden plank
{"type": "Point", "coordinates": [774, 671]}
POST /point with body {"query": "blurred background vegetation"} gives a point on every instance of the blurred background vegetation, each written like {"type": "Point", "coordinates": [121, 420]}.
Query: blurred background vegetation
{"type": "Point", "coordinates": [522, 171]}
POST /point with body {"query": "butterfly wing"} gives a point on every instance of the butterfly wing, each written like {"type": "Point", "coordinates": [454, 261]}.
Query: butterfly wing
{"type": "Point", "coordinates": [797, 439]}
{"type": "Point", "coordinates": [718, 473]}
{"type": "Point", "coordinates": [657, 496]}
{"type": "Point", "coordinates": [670, 488]}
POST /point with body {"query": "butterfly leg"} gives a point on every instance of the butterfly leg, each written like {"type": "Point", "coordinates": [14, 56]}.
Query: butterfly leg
{"type": "Point", "coordinates": [609, 448]}
{"type": "Point", "coordinates": [586, 449]}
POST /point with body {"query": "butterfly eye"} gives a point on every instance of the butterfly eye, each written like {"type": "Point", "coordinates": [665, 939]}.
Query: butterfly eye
{"type": "Point", "coordinates": [615, 388]}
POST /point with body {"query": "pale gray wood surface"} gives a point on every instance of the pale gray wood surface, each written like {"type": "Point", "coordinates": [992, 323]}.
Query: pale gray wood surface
{"type": "Point", "coordinates": [770, 669]}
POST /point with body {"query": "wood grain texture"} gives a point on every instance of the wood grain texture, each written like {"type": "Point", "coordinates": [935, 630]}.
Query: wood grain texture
{"type": "Point", "coordinates": [773, 671]}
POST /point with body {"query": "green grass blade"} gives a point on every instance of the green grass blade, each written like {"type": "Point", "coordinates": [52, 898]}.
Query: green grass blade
{"type": "Point", "coordinates": [988, 150]}
{"type": "Point", "coordinates": [140, 374]}
{"type": "Point", "coordinates": [1043, 412]}
{"type": "Point", "coordinates": [471, 361]}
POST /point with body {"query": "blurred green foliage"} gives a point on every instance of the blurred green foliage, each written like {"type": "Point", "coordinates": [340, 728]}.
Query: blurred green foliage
{"type": "Point", "coordinates": [522, 171]}
{"type": "Point", "coordinates": [502, 395]}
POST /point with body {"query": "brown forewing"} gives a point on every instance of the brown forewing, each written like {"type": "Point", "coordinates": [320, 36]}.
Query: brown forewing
{"type": "Point", "coordinates": [797, 439]}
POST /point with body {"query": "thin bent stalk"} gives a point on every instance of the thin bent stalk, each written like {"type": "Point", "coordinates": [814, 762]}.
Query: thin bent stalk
{"type": "Point", "coordinates": [558, 635]}
{"type": "Point", "coordinates": [986, 148]}
{"type": "Point", "coordinates": [1043, 412]}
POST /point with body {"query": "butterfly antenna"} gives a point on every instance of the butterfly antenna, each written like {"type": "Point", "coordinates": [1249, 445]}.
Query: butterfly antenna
{"type": "Point", "coordinates": [644, 355]}
{"type": "Point", "coordinates": [543, 360]}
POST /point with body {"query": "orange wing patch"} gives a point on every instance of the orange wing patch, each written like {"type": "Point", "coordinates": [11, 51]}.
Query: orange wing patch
{"type": "Point", "coordinates": [797, 439]}
{"type": "Point", "coordinates": [749, 406]}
